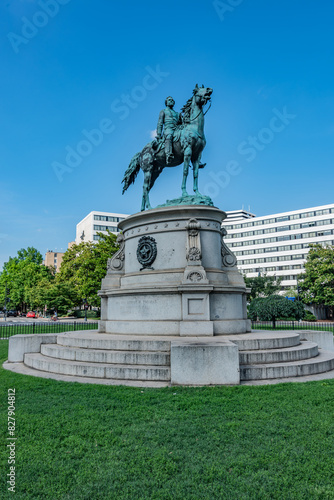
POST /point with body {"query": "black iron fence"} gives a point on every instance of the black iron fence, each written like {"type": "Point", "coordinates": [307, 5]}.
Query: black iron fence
{"type": "Point", "coordinates": [8, 330]}
{"type": "Point", "coordinates": [293, 325]}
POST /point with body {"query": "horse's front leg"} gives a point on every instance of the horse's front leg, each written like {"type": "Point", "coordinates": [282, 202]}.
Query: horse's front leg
{"type": "Point", "coordinates": [195, 167]}
{"type": "Point", "coordinates": [187, 158]}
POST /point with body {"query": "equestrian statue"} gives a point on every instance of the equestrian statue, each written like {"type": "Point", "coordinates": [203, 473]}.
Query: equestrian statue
{"type": "Point", "coordinates": [180, 139]}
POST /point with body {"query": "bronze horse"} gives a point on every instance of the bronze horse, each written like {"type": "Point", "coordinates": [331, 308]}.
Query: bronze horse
{"type": "Point", "coordinates": [188, 144]}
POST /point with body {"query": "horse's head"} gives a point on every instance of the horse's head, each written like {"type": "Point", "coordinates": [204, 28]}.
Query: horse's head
{"type": "Point", "coordinates": [202, 94]}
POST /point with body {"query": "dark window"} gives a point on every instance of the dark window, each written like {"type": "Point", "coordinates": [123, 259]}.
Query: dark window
{"type": "Point", "coordinates": [282, 219]}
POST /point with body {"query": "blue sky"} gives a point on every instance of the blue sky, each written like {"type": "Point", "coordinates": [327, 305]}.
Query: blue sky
{"type": "Point", "coordinates": [66, 65]}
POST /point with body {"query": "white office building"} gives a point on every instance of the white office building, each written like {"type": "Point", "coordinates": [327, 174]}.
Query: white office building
{"type": "Point", "coordinates": [278, 244]}
{"type": "Point", "coordinates": [275, 244]}
{"type": "Point", "coordinates": [97, 222]}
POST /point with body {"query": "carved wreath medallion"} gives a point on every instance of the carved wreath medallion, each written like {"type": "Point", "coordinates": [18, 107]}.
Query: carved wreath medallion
{"type": "Point", "coordinates": [146, 251]}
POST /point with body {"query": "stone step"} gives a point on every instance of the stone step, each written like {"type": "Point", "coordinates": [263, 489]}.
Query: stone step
{"type": "Point", "coordinates": [322, 363]}
{"type": "Point", "coordinates": [85, 369]}
{"type": "Point", "coordinates": [304, 350]}
{"type": "Point", "coordinates": [106, 356]}
{"type": "Point", "coordinates": [112, 342]}
{"type": "Point", "coordinates": [249, 341]}
{"type": "Point", "coordinates": [259, 340]}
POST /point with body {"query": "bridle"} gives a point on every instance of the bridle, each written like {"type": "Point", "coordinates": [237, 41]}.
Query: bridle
{"type": "Point", "coordinates": [201, 112]}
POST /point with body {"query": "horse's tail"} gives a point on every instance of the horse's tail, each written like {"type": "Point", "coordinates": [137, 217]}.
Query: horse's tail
{"type": "Point", "coordinates": [131, 173]}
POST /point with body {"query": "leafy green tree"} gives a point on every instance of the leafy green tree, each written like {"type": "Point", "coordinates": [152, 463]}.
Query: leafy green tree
{"type": "Point", "coordinates": [52, 296]}
{"type": "Point", "coordinates": [263, 286]}
{"type": "Point", "coordinates": [85, 265]}
{"type": "Point", "coordinates": [55, 296]}
{"type": "Point", "coordinates": [21, 275]}
{"type": "Point", "coordinates": [31, 254]}
{"type": "Point", "coordinates": [275, 307]}
{"type": "Point", "coordinates": [37, 298]}
{"type": "Point", "coordinates": [317, 283]}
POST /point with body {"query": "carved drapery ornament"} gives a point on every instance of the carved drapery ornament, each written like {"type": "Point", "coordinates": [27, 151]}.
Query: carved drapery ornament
{"type": "Point", "coordinates": [228, 257]}
{"type": "Point", "coordinates": [194, 252]}
{"type": "Point", "coordinates": [116, 263]}
{"type": "Point", "coordinates": [194, 273]}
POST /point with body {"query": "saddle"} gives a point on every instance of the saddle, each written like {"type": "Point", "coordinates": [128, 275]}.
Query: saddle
{"type": "Point", "coordinates": [159, 144]}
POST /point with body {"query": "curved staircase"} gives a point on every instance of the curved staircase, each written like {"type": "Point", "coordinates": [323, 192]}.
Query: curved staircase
{"type": "Point", "coordinates": [111, 357]}
{"type": "Point", "coordinates": [88, 356]}
{"type": "Point", "coordinates": [281, 355]}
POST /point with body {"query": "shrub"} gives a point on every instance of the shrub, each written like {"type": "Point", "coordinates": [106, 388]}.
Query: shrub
{"type": "Point", "coordinates": [274, 307]}
{"type": "Point", "coordinates": [90, 314]}
{"type": "Point", "coordinates": [309, 316]}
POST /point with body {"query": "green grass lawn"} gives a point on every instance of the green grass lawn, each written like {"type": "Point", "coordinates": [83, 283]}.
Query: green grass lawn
{"type": "Point", "coordinates": [289, 325]}
{"type": "Point", "coordinates": [78, 441]}
{"type": "Point", "coordinates": [40, 327]}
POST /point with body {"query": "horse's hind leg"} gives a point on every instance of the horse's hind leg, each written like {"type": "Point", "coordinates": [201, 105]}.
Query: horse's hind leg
{"type": "Point", "coordinates": [146, 189]}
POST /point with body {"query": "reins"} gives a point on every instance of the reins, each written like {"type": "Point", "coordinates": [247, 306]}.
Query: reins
{"type": "Point", "coordinates": [201, 112]}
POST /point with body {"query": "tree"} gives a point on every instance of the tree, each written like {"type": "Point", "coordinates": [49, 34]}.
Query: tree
{"type": "Point", "coordinates": [20, 276]}
{"type": "Point", "coordinates": [263, 286]}
{"type": "Point", "coordinates": [85, 265]}
{"type": "Point", "coordinates": [275, 307]}
{"type": "Point", "coordinates": [31, 254]}
{"type": "Point", "coordinates": [317, 283]}
{"type": "Point", "coordinates": [55, 296]}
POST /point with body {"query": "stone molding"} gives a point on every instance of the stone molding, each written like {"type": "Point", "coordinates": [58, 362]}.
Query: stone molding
{"type": "Point", "coordinates": [171, 219]}
{"type": "Point", "coordinates": [166, 227]}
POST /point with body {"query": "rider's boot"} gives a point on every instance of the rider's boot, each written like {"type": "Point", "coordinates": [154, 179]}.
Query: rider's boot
{"type": "Point", "coordinates": [169, 149]}
{"type": "Point", "coordinates": [169, 158]}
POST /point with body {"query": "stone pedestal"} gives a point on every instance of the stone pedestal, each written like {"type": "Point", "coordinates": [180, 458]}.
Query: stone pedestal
{"type": "Point", "coordinates": [173, 275]}
{"type": "Point", "coordinates": [205, 363]}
